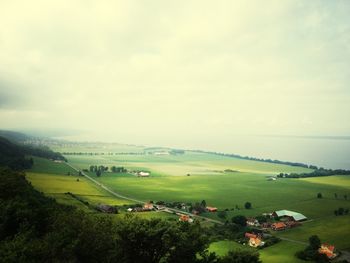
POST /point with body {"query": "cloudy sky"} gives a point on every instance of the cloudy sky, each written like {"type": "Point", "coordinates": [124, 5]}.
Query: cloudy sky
{"type": "Point", "coordinates": [156, 71]}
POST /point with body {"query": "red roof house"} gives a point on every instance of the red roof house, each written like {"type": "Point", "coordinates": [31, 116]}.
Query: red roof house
{"type": "Point", "coordinates": [328, 250]}
{"type": "Point", "coordinates": [211, 209]}
{"type": "Point", "coordinates": [278, 226]}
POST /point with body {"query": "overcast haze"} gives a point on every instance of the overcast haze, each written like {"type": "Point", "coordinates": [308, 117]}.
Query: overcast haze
{"type": "Point", "coordinates": [156, 72]}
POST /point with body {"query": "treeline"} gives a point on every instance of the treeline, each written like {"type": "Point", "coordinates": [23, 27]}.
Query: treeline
{"type": "Point", "coordinates": [43, 152]}
{"type": "Point", "coordinates": [21, 140]}
{"type": "Point", "coordinates": [317, 172]}
{"type": "Point", "coordinates": [12, 156]}
{"type": "Point", "coordinates": [102, 153]}
{"type": "Point", "coordinates": [98, 170]}
{"type": "Point", "coordinates": [259, 159]}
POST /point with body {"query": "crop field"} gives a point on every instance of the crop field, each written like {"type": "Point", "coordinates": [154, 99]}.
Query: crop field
{"type": "Point", "coordinates": [193, 176]}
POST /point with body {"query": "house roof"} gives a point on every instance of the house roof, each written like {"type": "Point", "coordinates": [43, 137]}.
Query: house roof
{"type": "Point", "coordinates": [279, 225]}
{"type": "Point", "coordinates": [250, 235]}
{"type": "Point", "coordinates": [327, 250]}
{"type": "Point", "coordinates": [296, 216]}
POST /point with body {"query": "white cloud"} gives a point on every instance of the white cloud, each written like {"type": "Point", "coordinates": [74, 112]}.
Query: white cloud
{"type": "Point", "coordinates": [180, 69]}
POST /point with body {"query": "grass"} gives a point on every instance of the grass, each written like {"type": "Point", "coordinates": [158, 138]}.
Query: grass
{"type": "Point", "coordinates": [333, 229]}
{"type": "Point", "coordinates": [57, 185]}
{"type": "Point", "coordinates": [282, 252]}
{"type": "Point", "coordinates": [46, 166]}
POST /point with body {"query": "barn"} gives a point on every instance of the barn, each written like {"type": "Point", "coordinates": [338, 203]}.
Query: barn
{"type": "Point", "coordinates": [290, 215]}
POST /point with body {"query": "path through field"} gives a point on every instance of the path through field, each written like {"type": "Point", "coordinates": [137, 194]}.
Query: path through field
{"type": "Point", "coordinates": [140, 201]}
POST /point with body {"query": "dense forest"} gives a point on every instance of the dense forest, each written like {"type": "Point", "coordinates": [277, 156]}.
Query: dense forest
{"type": "Point", "coordinates": [35, 228]}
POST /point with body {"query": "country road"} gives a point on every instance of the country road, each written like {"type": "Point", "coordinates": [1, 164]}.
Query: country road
{"type": "Point", "coordinates": [140, 201]}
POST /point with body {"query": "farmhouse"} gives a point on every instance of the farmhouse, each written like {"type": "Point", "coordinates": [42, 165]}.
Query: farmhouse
{"type": "Point", "coordinates": [278, 226]}
{"type": "Point", "coordinates": [328, 250]}
{"type": "Point", "coordinates": [290, 215]}
{"type": "Point", "coordinates": [185, 218]}
{"type": "Point", "coordinates": [143, 174]}
{"type": "Point", "coordinates": [148, 206]}
{"type": "Point", "coordinates": [256, 242]}
{"type": "Point", "coordinates": [211, 209]}
{"type": "Point", "coordinates": [250, 235]}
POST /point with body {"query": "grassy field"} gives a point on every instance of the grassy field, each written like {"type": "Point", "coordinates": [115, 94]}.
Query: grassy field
{"type": "Point", "coordinates": [42, 165]}
{"type": "Point", "coordinates": [281, 252]}
{"type": "Point", "coordinates": [209, 181]}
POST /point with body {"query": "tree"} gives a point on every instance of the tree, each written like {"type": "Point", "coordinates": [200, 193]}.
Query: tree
{"type": "Point", "coordinates": [248, 205]}
{"type": "Point", "coordinates": [222, 214]}
{"type": "Point", "coordinates": [335, 195]}
{"type": "Point", "coordinates": [204, 203]}
{"type": "Point", "coordinates": [340, 211]}
{"type": "Point", "coordinates": [319, 195]}
{"type": "Point", "coordinates": [261, 219]}
{"type": "Point", "coordinates": [239, 220]}
{"type": "Point", "coordinates": [311, 251]}
{"type": "Point", "coordinates": [314, 242]}
{"type": "Point", "coordinates": [98, 173]}
{"type": "Point", "coordinates": [345, 197]}
{"type": "Point", "coordinates": [335, 212]}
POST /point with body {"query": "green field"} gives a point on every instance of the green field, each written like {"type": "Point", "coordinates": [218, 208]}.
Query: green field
{"type": "Point", "coordinates": [280, 252]}
{"type": "Point", "coordinates": [169, 181]}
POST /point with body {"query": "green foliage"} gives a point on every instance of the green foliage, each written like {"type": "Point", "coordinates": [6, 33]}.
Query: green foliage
{"type": "Point", "coordinates": [239, 220]}
{"type": "Point", "coordinates": [248, 205]}
{"type": "Point", "coordinates": [222, 214]}
{"type": "Point", "coordinates": [11, 155]}
{"type": "Point", "coordinates": [311, 251]}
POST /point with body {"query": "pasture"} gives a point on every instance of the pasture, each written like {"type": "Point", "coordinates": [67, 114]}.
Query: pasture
{"type": "Point", "coordinates": [194, 176]}
{"type": "Point", "coordinates": [281, 252]}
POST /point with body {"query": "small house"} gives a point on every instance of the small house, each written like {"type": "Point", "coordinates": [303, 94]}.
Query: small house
{"type": "Point", "coordinates": [250, 235]}
{"type": "Point", "coordinates": [130, 209]}
{"type": "Point", "coordinates": [256, 242]}
{"type": "Point", "coordinates": [148, 206]}
{"type": "Point", "coordinates": [143, 174]}
{"type": "Point", "coordinates": [328, 250]}
{"type": "Point", "coordinates": [278, 226]}
{"type": "Point", "coordinates": [211, 209]}
{"type": "Point", "coordinates": [185, 218]}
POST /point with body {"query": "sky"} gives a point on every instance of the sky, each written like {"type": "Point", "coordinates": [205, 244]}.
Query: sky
{"type": "Point", "coordinates": [158, 72]}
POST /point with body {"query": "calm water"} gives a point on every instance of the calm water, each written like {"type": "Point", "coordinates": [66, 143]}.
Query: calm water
{"type": "Point", "coordinates": [323, 152]}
